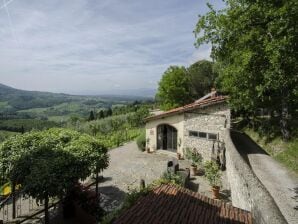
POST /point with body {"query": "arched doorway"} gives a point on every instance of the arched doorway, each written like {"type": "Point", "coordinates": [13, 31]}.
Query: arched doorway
{"type": "Point", "coordinates": [166, 137]}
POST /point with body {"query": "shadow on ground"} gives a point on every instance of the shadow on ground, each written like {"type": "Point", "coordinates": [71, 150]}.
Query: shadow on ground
{"type": "Point", "coordinates": [295, 197]}
{"type": "Point", "coordinates": [245, 145]}
{"type": "Point", "coordinates": [193, 186]}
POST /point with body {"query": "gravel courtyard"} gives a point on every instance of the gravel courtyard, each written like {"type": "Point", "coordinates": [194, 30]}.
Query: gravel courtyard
{"type": "Point", "coordinates": [128, 166]}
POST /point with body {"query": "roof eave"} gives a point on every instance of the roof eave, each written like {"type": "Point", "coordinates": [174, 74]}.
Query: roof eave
{"type": "Point", "coordinates": [183, 110]}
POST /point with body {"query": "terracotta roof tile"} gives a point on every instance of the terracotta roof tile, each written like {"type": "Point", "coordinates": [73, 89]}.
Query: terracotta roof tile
{"type": "Point", "coordinates": [189, 107]}
{"type": "Point", "coordinates": [171, 204]}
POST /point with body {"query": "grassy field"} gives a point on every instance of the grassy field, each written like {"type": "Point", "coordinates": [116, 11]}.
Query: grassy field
{"type": "Point", "coordinates": [284, 152]}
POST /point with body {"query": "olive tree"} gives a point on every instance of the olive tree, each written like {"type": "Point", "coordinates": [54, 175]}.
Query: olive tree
{"type": "Point", "coordinates": [49, 163]}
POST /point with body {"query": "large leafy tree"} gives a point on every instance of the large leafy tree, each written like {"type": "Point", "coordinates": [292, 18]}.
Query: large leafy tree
{"type": "Point", "coordinates": [255, 46]}
{"type": "Point", "coordinates": [174, 88]}
{"type": "Point", "coordinates": [202, 77]}
{"type": "Point", "coordinates": [49, 163]}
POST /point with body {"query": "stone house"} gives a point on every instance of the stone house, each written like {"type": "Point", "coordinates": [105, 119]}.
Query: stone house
{"type": "Point", "coordinates": [200, 125]}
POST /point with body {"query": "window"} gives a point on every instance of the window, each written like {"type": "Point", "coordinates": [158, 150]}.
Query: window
{"type": "Point", "coordinates": [205, 135]}
{"type": "Point", "coordinates": [212, 136]}
{"type": "Point", "coordinates": [202, 134]}
{"type": "Point", "coordinates": [193, 133]}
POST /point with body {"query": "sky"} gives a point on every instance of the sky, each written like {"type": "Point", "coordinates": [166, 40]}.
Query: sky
{"type": "Point", "coordinates": [96, 46]}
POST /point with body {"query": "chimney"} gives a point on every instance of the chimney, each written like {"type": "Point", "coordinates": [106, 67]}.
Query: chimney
{"type": "Point", "coordinates": [213, 93]}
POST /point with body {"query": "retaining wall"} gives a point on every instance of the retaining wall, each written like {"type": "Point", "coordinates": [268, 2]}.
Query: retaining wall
{"type": "Point", "coordinates": [247, 191]}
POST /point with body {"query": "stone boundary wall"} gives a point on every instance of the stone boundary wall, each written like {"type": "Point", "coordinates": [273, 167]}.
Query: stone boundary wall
{"type": "Point", "coordinates": [247, 191]}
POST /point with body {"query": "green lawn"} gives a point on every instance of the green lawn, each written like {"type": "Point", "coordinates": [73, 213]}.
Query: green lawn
{"type": "Point", "coordinates": [289, 157]}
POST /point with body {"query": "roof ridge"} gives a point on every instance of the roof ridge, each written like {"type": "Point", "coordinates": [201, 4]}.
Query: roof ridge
{"type": "Point", "coordinates": [206, 102]}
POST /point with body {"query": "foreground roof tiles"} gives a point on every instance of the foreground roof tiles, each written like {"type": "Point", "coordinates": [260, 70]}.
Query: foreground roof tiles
{"type": "Point", "coordinates": [173, 205]}
{"type": "Point", "coordinates": [190, 107]}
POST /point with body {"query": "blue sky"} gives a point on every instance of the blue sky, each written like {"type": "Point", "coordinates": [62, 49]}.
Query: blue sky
{"type": "Point", "coordinates": [84, 46]}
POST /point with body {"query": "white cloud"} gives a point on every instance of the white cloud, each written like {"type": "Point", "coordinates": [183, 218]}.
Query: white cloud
{"type": "Point", "coordinates": [75, 45]}
{"type": "Point", "coordinates": [202, 53]}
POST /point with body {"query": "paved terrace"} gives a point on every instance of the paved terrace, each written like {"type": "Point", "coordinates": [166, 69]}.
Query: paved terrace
{"type": "Point", "coordinates": [128, 166]}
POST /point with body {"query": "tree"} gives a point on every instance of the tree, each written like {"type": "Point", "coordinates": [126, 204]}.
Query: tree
{"type": "Point", "coordinates": [101, 114]}
{"type": "Point", "coordinates": [202, 77]}
{"type": "Point", "coordinates": [109, 112]}
{"type": "Point", "coordinates": [48, 163]}
{"type": "Point", "coordinates": [91, 116]}
{"type": "Point", "coordinates": [174, 88]}
{"type": "Point", "coordinates": [255, 46]}
{"type": "Point", "coordinates": [46, 173]}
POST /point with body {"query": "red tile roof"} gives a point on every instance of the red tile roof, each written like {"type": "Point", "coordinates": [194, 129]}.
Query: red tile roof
{"type": "Point", "coordinates": [190, 107]}
{"type": "Point", "coordinates": [177, 205]}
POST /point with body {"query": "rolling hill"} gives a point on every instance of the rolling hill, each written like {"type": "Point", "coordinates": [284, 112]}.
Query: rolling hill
{"type": "Point", "coordinates": [35, 104]}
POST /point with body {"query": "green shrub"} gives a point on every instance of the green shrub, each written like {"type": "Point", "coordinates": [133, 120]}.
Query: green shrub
{"type": "Point", "coordinates": [141, 141]}
{"type": "Point", "coordinates": [195, 157]}
{"type": "Point", "coordinates": [212, 173]}
{"type": "Point", "coordinates": [169, 178]}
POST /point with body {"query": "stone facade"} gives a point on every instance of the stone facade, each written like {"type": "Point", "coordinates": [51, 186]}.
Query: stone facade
{"type": "Point", "coordinates": [214, 119]}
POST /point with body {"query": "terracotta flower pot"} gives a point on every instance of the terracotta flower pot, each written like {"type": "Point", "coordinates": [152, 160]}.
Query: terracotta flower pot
{"type": "Point", "coordinates": [193, 170]}
{"type": "Point", "coordinates": [215, 192]}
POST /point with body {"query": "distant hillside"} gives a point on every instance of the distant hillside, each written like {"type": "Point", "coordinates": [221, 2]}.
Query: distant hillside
{"type": "Point", "coordinates": [140, 93]}
{"type": "Point", "coordinates": [12, 99]}
{"type": "Point", "coordinates": [56, 104]}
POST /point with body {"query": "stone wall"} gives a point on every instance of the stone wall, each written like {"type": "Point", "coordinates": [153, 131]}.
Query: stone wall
{"type": "Point", "coordinates": [213, 119]}
{"type": "Point", "coordinates": [246, 190]}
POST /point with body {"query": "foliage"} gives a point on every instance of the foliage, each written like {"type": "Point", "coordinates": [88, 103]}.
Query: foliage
{"type": "Point", "coordinates": [253, 43]}
{"type": "Point", "coordinates": [51, 161]}
{"type": "Point", "coordinates": [284, 152]}
{"type": "Point", "coordinates": [117, 138]}
{"type": "Point", "coordinates": [169, 178]}
{"type": "Point", "coordinates": [6, 134]}
{"type": "Point", "coordinates": [141, 141]}
{"type": "Point", "coordinates": [174, 88]}
{"type": "Point", "coordinates": [91, 116]}
{"type": "Point", "coordinates": [289, 157]}
{"type": "Point", "coordinates": [202, 77]}
{"type": "Point", "coordinates": [212, 173]}
{"type": "Point", "coordinates": [46, 173]}
{"type": "Point", "coordinates": [114, 130]}
{"type": "Point", "coordinates": [17, 125]}
{"type": "Point", "coordinates": [194, 156]}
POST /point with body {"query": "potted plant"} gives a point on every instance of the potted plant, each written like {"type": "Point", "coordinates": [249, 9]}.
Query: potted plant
{"type": "Point", "coordinates": [196, 159]}
{"type": "Point", "coordinates": [147, 148]}
{"type": "Point", "coordinates": [213, 175]}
